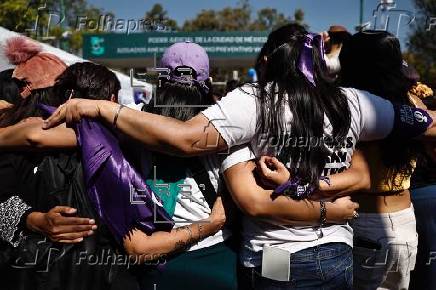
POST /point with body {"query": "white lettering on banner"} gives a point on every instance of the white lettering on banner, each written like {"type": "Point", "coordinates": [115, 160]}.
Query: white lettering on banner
{"type": "Point", "coordinates": [158, 40]}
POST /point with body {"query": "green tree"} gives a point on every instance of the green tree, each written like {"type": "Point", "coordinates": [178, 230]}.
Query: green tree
{"type": "Point", "coordinates": [226, 19]}
{"type": "Point", "coordinates": [205, 20]}
{"type": "Point", "coordinates": [159, 16]}
{"type": "Point", "coordinates": [268, 19]}
{"type": "Point", "coordinates": [299, 17]}
{"type": "Point", "coordinates": [422, 47]}
{"type": "Point", "coordinates": [16, 15]}
{"type": "Point", "coordinates": [239, 18]}
{"type": "Point", "coordinates": [24, 16]}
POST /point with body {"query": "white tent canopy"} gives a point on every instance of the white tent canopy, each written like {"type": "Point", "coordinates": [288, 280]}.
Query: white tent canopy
{"type": "Point", "coordinates": [126, 93]}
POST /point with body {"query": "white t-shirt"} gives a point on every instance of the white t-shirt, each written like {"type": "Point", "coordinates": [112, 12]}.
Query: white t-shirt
{"type": "Point", "coordinates": [192, 207]}
{"type": "Point", "coordinates": [235, 118]}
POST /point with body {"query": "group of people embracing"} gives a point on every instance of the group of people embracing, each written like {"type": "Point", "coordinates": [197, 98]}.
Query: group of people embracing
{"type": "Point", "coordinates": [298, 181]}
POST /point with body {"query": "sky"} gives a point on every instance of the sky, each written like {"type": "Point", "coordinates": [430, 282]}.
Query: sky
{"type": "Point", "coordinates": [319, 14]}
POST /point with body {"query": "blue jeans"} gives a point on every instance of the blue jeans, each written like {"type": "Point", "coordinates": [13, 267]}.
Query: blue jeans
{"type": "Point", "coordinates": [424, 202]}
{"type": "Point", "coordinates": [324, 267]}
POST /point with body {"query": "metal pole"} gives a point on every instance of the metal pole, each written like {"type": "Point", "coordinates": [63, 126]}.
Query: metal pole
{"type": "Point", "coordinates": [361, 13]}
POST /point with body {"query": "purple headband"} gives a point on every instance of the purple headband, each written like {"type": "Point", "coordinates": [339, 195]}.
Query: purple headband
{"type": "Point", "coordinates": [305, 61]}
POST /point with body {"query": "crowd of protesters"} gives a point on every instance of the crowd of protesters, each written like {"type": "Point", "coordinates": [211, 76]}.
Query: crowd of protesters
{"type": "Point", "coordinates": [300, 180]}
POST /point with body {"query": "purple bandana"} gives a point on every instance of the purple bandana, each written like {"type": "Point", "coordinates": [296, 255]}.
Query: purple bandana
{"type": "Point", "coordinates": [120, 196]}
{"type": "Point", "coordinates": [305, 61]}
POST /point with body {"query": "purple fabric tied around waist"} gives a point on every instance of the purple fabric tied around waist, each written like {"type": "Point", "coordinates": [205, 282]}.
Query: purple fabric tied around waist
{"type": "Point", "coordinates": [305, 60]}
{"type": "Point", "coordinates": [119, 194]}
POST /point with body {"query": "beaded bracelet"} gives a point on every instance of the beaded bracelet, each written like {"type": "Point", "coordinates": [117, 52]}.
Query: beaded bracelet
{"type": "Point", "coordinates": [323, 214]}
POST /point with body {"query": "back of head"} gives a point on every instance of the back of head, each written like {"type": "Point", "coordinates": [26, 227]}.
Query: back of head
{"type": "Point", "coordinates": [277, 36]}
{"type": "Point", "coordinates": [34, 68]}
{"type": "Point", "coordinates": [89, 81]}
{"type": "Point", "coordinates": [9, 90]}
{"type": "Point", "coordinates": [292, 73]}
{"type": "Point", "coordinates": [372, 61]}
{"type": "Point", "coordinates": [188, 89]}
{"type": "Point", "coordinates": [35, 73]}
{"type": "Point", "coordinates": [28, 106]}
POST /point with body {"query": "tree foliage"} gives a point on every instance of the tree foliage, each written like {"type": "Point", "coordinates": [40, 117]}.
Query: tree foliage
{"type": "Point", "coordinates": [240, 18]}
{"type": "Point", "coordinates": [422, 47]}
{"type": "Point", "coordinates": [52, 21]}
{"type": "Point", "coordinates": [159, 16]}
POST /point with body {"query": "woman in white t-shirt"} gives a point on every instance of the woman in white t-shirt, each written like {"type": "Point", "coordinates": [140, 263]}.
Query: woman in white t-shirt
{"type": "Point", "coordinates": [324, 131]}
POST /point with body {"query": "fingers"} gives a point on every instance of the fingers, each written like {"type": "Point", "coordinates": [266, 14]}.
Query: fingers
{"type": "Point", "coordinates": [356, 205]}
{"type": "Point", "coordinates": [71, 241]}
{"type": "Point", "coordinates": [325, 35]}
{"type": "Point", "coordinates": [58, 230]}
{"type": "Point", "coordinates": [56, 118]}
{"type": "Point", "coordinates": [63, 209]}
{"type": "Point", "coordinates": [72, 221]}
{"type": "Point", "coordinates": [264, 170]}
{"type": "Point", "coordinates": [72, 236]}
{"type": "Point", "coordinates": [277, 164]}
{"type": "Point", "coordinates": [345, 198]}
{"type": "Point", "coordinates": [32, 120]}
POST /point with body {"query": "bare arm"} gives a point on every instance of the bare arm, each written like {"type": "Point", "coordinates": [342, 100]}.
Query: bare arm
{"type": "Point", "coordinates": [256, 201]}
{"type": "Point", "coordinates": [158, 244]}
{"type": "Point", "coordinates": [353, 180]}
{"type": "Point", "coordinates": [29, 133]}
{"type": "Point", "coordinates": [194, 137]}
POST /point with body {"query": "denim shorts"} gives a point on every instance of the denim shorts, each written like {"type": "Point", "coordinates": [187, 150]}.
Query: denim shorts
{"type": "Point", "coordinates": [324, 267]}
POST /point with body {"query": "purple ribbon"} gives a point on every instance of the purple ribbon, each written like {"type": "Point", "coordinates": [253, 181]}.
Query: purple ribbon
{"type": "Point", "coordinates": [305, 61]}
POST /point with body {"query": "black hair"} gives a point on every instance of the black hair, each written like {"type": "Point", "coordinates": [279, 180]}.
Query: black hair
{"type": "Point", "coordinates": [183, 102]}
{"type": "Point", "coordinates": [89, 81]}
{"type": "Point", "coordinates": [28, 107]}
{"type": "Point", "coordinates": [179, 100]}
{"type": "Point", "coordinates": [372, 61]}
{"type": "Point", "coordinates": [9, 89]}
{"type": "Point", "coordinates": [338, 37]}
{"type": "Point", "coordinates": [282, 84]}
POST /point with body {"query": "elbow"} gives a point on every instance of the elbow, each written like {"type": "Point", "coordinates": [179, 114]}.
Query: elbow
{"type": "Point", "coordinates": [255, 211]}
{"type": "Point", "coordinates": [177, 143]}
{"type": "Point", "coordinates": [253, 208]}
{"type": "Point", "coordinates": [133, 249]}
{"type": "Point", "coordinates": [136, 252]}
{"type": "Point", "coordinates": [365, 183]}
{"type": "Point", "coordinates": [34, 139]}
{"type": "Point", "coordinates": [185, 149]}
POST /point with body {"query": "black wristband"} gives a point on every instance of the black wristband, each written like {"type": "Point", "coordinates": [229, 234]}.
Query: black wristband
{"type": "Point", "coordinates": [323, 214]}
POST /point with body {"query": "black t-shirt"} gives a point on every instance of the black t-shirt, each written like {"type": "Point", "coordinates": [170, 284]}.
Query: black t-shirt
{"type": "Point", "coordinates": [17, 176]}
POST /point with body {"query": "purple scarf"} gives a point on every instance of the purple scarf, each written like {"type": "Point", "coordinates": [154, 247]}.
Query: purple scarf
{"type": "Point", "coordinates": [119, 194]}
